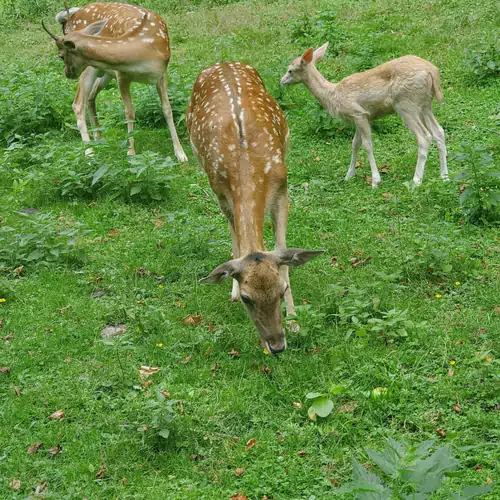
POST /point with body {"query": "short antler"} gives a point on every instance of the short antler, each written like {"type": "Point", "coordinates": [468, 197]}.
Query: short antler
{"type": "Point", "coordinates": [49, 32]}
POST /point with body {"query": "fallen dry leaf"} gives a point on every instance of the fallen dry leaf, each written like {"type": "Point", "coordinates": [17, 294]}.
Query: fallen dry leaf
{"type": "Point", "coordinates": [451, 372]}
{"type": "Point", "coordinates": [297, 404]}
{"type": "Point", "coordinates": [213, 368]}
{"type": "Point", "coordinates": [386, 196]}
{"type": "Point", "coordinates": [384, 169]}
{"type": "Point", "coordinates": [8, 338]}
{"type": "Point", "coordinates": [380, 236]}
{"type": "Point", "coordinates": [301, 453]}
{"type": "Point", "coordinates": [147, 383]}
{"type": "Point", "coordinates": [239, 471]}
{"type": "Point", "coordinates": [334, 481]}
{"type": "Point", "coordinates": [54, 451]}
{"type": "Point", "coordinates": [18, 270]}
{"type": "Point", "coordinates": [101, 472]}
{"type": "Point", "coordinates": [250, 444]}
{"type": "Point", "coordinates": [57, 415]}
{"type": "Point", "coordinates": [17, 391]}
{"type": "Point", "coordinates": [266, 370]}
{"type": "Point", "coordinates": [358, 164]}
{"type": "Point", "coordinates": [34, 448]}
{"type": "Point", "coordinates": [441, 432]}
{"type": "Point", "coordinates": [357, 261]}
{"type": "Point", "coordinates": [15, 484]}
{"type": "Point", "coordinates": [457, 408]}
{"type": "Point", "coordinates": [113, 330]}
{"type": "Point", "coordinates": [165, 394]}
{"type": "Point", "coordinates": [348, 407]}
{"type": "Point", "coordinates": [368, 179]}
{"type": "Point", "coordinates": [146, 371]}
{"type": "Point", "coordinates": [40, 488]}
{"type": "Point", "coordinates": [195, 457]}
{"type": "Point", "coordinates": [186, 360]}
{"type": "Point", "coordinates": [63, 310]}
{"type": "Point", "coordinates": [317, 158]}
{"type": "Point", "coordinates": [239, 496]}
{"type": "Point", "coordinates": [5, 369]}
{"type": "Point", "coordinates": [158, 223]}
{"type": "Point", "coordinates": [489, 480]}
{"type": "Point", "coordinates": [181, 407]}
{"type": "Point", "coordinates": [1, 323]}
{"type": "Point", "coordinates": [192, 320]}
{"type": "Point", "coordinates": [211, 327]}
{"type": "Point", "coordinates": [478, 467]}
{"type": "Point", "coordinates": [234, 353]}
{"type": "Point", "coordinates": [113, 232]}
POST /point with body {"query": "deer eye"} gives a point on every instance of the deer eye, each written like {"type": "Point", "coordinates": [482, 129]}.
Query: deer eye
{"type": "Point", "coordinates": [246, 299]}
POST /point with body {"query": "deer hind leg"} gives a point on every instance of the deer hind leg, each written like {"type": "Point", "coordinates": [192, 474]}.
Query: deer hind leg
{"type": "Point", "coordinates": [100, 84]}
{"type": "Point", "coordinates": [363, 126]}
{"type": "Point", "coordinates": [437, 133]}
{"type": "Point", "coordinates": [279, 216]}
{"type": "Point", "coordinates": [424, 138]}
{"type": "Point", "coordinates": [356, 144]}
{"type": "Point", "coordinates": [124, 86]}
{"type": "Point", "coordinates": [161, 86]}
{"type": "Point", "coordinates": [85, 83]}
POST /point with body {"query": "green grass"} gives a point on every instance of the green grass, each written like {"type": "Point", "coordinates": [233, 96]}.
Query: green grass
{"type": "Point", "coordinates": [57, 358]}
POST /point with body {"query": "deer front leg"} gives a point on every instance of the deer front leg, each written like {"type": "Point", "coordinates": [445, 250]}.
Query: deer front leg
{"type": "Point", "coordinates": [235, 292]}
{"type": "Point", "coordinates": [356, 144]}
{"type": "Point", "coordinates": [279, 216]}
{"type": "Point", "coordinates": [85, 83]}
{"type": "Point", "coordinates": [99, 85]}
{"type": "Point", "coordinates": [161, 86]}
{"type": "Point", "coordinates": [363, 125]}
{"type": "Point", "coordinates": [124, 86]}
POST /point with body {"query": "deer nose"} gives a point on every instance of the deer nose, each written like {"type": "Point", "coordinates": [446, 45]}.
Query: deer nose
{"type": "Point", "coordinates": [278, 350]}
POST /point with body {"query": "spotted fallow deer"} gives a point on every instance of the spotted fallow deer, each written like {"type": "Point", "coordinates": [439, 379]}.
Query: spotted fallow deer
{"type": "Point", "coordinates": [240, 136]}
{"type": "Point", "coordinates": [103, 41]}
{"type": "Point", "coordinates": [405, 86]}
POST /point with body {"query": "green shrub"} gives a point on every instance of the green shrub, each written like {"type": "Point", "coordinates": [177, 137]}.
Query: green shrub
{"type": "Point", "coordinates": [484, 62]}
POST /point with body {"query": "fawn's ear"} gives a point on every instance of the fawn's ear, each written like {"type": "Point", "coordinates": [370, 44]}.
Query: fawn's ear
{"type": "Point", "coordinates": [307, 57]}
{"type": "Point", "coordinates": [221, 273]}
{"type": "Point", "coordinates": [295, 256]}
{"type": "Point", "coordinates": [320, 53]}
{"type": "Point", "coordinates": [95, 28]}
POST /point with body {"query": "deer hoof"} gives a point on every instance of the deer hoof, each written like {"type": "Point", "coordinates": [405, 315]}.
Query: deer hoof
{"type": "Point", "coordinates": [182, 157]}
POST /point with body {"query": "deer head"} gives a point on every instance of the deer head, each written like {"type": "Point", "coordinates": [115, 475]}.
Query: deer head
{"type": "Point", "coordinates": [298, 70]}
{"type": "Point", "coordinates": [261, 288]}
{"type": "Point", "coordinates": [72, 45]}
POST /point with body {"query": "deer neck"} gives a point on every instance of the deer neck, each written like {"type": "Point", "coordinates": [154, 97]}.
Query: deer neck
{"type": "Point", "coordinates": [321, 88]}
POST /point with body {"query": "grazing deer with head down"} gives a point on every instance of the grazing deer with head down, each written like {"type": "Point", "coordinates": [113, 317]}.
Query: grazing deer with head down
{"type": "Point", "coordinates": [240, 135]}
{"type": "Point", "coordinates": [103, 41]}
{"type": "Point", "coordinates": [405, 86]}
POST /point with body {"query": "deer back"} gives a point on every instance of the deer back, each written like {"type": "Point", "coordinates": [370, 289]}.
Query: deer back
{"type": "Point", "coordinates": [240, 135]}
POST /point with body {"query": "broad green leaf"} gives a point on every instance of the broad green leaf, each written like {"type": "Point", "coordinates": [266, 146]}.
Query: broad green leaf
{"type": "Point", "coordinates": [447, 268]}
{"type": "Point", "coordinates": [99, 173]}
{"type": "Point", "coordinates": [314, 395]}
{"type": "Point", "coordinates": [164, 433]}
{"type": "Point", "coordinates": [322, 406]}
{"type": "Point", "coordinates": [35, 255]}
{"type": "Point", "coordinates": [473, 492]}
{"type": "Point", "coordinates": [384, 464]}
{"type": "Point", "coordinates": [135, 190]}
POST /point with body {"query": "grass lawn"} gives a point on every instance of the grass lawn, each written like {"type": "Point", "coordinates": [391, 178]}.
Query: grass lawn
{"type": "Point", "coordinates": [407, 260]}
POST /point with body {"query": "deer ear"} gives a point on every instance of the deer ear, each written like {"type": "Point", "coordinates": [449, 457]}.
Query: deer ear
{"type": "Point", "coordinates": [320, 53]}
{"type": "Point", "coordinates": [229, 269]}
{"type": "Point", "coordinates": [95, 28]}
{"type": "Point", "coordinates": [295, 256]}
{"type": "Point", "coordinates": [307, 57]}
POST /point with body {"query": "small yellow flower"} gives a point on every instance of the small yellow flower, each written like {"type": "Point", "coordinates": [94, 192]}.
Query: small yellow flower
{"type": "Point", "coordinates": [266, 351]}
{"type": "Point", "coordinates": [452, 362]}
{"type": "Point", "coordinates": [438, 295]}
{"type": "Point", "coordinates": [3, 300]}
{"type": "Point", "coordinates": [457, 283]}
{"type": "Point", "coordinates": [161, 286]}
{"type": "Point", "coordinates": [159, 345]}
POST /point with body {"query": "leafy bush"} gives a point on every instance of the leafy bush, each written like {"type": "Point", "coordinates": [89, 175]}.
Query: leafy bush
{"type": "Point", "coordinates": [361, 313]}
{"type": "Point", "coordinates": [316, 30]}
{"type": "Point", "coordinates": [479, 184]}
{"type": "Point", "coordinates": [437, 251]}
{"type": "Point", "coordinates": [410, 472]}
{"type": "Point", "coordinates": [27, 106]}
{"type": "Point", "coordinates": [41, 239]}
{"type": "Point", "coordinates": [484, 62]}
{"type": "Point", "coordinates": [163, 412]}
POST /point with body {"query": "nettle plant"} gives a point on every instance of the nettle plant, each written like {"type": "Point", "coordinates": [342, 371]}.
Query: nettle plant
{"type": "Point", "coordinates": [484, 62]}
{"type": "Point", "coordinates": [479, 184]}
{"type": "Point", "coordinates": [361, 311]}
{"type": "Point", "coordinates": [41, 239]}
{"type": "Point", "coordinates": [408, 472]}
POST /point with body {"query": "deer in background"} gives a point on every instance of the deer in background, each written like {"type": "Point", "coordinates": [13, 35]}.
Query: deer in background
{"type": "Point", "coordinates": [103, 41]}
{"type": "Point", "coordinates": [240, 136]}
{"type": "Point", "coordinates": [405, 86]}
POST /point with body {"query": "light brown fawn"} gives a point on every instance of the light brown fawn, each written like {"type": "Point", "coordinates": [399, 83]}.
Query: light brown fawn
{"type": "Point", "coordinates": [103, 41]}
{"type": "Point", "coordinates": [240, 136]}
{"type": "Point", "coordinates": [405, 86]}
